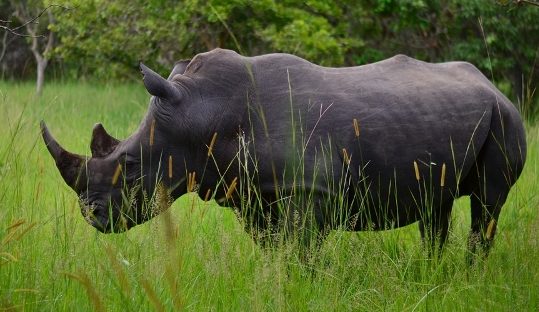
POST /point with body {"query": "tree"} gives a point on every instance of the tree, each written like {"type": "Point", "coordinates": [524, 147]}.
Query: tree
{"type": "Point", "coordinates": [519, 2]}
{"type": "Point", "coordinates": [7, 39]}
{"type": "Point", "coordinates": [10, 33]}
{"type": "Point", "coordinates": [40, 37]}
{"type": "Point", "coordinates": [31, 26]}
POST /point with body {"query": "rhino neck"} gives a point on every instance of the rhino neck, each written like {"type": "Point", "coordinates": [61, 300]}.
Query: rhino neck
{"type": "Point", "coordinates": [181, 144]}
{"type": "Point", "coordinates": [179, 166]}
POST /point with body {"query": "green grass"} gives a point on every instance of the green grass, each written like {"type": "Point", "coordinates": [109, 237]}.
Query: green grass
{"type": "Point", "coordinates": [197, 256]}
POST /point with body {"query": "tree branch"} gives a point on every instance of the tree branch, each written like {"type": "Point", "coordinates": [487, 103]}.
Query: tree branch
{"type": "Point", "coordinates": [50, 41]}
{"type": "Point", "coordinates": [5, 43]}
{"type": "Point", "coordinates": [29, 21]}
{"type": "Point", "coordinates": [520, 2]}
{"type": "Point", "coordinates": [9, 30]}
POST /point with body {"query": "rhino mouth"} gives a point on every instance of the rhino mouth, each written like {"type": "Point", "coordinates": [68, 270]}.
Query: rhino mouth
{"type": "Point", "coordinates": [103, 219]}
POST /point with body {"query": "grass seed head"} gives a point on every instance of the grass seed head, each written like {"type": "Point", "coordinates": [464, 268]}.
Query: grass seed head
{"type": "Point", "coordinates": [491, 228]}
{"type": "Point", "coordinates": [16, 224]}
{"type": "Point", "coordinates": [91, 291]}
{"type": "Point", "coordinates": [208, 194]}
{"type": "Point", "coordinates": [345, 156]}
{"type": "Point", "coordinates": [119, 270]}
{"type": "Point", "coordinates": [116, 174]}
{"type": "Point", "coordinates": [416, 169]}
{"type": "Point", "coordinates": [170, 166]}
{"type": "Point", "coordinates": [191, 181]}
{"type": "Point", "coordinates": [231, 188]}
{"type": "Point", "coordinates": [442, 179]}
{"type": "Point", "coordinates": [152, 295]}
{"type": "Point", "coordinates": [212, 143]}
{"type": "Point", "coordinates": [152, 132]}
{"type": "Point", "coordinates": [356, 127]}
{"type": "Point", "coordinates": [163, 200]}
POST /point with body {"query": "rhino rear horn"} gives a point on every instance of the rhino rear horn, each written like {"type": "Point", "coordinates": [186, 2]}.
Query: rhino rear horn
{"type": "Point", "coordinates": [157, 85]}
{"type": "Point", "coordinates": [102, 143]}
{"type": "Point", "coordinates": [70, 165]}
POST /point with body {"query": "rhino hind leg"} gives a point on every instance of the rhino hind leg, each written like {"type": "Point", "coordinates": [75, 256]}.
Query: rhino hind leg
{"type": "Point", "coordinates": [484, 218]}
{"type": "Point", "coordinates": [486, 201]}
{"type": "Point", "coordinates": [497, 168]}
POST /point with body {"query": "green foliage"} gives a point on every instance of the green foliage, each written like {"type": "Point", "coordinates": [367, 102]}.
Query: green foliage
{"type": "Point", "coordinates": [107, 39]}
{"type": "Point", "coordinates": [512, 37]}
{"type": "Point", "coordinates": [110, 38]}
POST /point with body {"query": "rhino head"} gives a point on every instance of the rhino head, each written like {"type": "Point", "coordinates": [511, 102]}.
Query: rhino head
{"type": "Point", "coordinates": [117, 186]}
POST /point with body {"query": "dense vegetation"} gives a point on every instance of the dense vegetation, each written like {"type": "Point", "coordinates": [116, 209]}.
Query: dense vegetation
{"type": "Point", "coordinates": [107, 39]}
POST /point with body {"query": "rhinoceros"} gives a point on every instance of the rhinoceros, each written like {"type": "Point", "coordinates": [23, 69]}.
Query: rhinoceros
{"type": "Point", "coordinates": [286, 142]}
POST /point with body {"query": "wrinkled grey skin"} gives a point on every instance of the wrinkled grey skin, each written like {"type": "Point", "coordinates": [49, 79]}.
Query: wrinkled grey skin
{"type": "Point", "coordinates": [288, 125]}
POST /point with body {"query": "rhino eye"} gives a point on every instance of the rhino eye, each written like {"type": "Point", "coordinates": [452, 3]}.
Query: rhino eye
{"type": "Point", "coordinates": [131, 165]}
{"type": "Point", "coordinates": [131, 169]}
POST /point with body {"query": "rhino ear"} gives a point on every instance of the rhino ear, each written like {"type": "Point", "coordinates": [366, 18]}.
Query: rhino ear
{"type": "Point", "coordinates": [157, 85]}
{"type": "Point", "coordinates": [179, 68]}
{"type": "Point", "coordinates": [102, 143]}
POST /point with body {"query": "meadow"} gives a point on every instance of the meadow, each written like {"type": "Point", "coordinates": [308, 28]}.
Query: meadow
{"type": "Point", "coordinates": [197, 257]}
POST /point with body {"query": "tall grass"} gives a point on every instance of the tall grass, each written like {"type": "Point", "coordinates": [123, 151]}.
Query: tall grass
{"type": "Point", "coordinates": [196, 256]}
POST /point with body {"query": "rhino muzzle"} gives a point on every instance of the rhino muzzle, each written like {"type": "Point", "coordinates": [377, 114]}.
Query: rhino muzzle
{"type": "Point", "coordinates": [106, 218]}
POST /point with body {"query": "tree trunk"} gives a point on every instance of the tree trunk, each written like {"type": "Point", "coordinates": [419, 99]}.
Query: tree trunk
{"type": "Point", "coordinates": [41, 66]}
{"type": "Point", "coordinates": [5, 43]}
{"type": "Point", "coordinates": [40, 56]}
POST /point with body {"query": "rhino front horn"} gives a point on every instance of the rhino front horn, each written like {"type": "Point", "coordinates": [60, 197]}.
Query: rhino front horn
{"type": "Point", "coordinates": [157, 85]}
{"type": "Point", "coordinates": [102, 143]}
{"type": "Point", "coordinates": [70, 165]}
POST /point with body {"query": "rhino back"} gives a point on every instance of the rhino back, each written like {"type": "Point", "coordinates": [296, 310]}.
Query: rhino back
{"type": "Point", "coordinates": [407, 111]}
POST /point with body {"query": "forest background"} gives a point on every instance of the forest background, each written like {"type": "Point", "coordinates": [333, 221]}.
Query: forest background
{"type": "Point", "coordinates": [103, 40]}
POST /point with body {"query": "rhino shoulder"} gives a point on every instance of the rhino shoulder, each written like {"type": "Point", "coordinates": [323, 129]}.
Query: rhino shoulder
{"type": "Point", "coordinates": [402, 58]}
{"type": "Point", "coordinates": [395, 63]}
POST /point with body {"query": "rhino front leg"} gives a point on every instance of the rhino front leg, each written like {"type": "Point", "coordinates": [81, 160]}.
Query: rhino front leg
{"type": "Point", "coordinates": [304, 223]}
{"type": "Point", "coordinates": [434, 227]}
{"type": "Point", "coordinates": [297, 219]}
{"type": "Point", "coordinates": [261, 222]}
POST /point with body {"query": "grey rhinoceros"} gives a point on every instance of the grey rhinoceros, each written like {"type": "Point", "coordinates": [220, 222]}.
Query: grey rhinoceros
{"type": "Point", "coordinates": [288, 142]}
